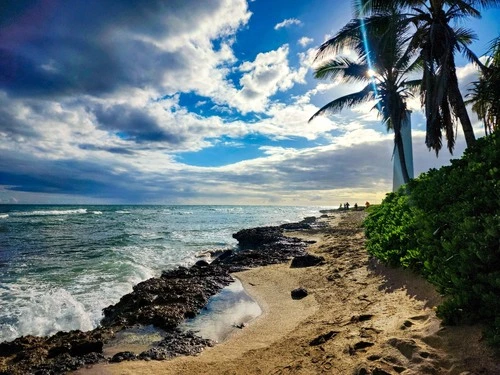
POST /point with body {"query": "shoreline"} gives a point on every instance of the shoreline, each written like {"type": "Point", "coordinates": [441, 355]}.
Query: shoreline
{"type": "Point", "coordinates": [163, 302]}
{"type": "Point", "coordinates": [360, 317]}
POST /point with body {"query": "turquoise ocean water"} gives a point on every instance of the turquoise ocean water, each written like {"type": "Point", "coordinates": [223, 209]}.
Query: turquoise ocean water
{"type": "Point", "coordinates": [61, 265]}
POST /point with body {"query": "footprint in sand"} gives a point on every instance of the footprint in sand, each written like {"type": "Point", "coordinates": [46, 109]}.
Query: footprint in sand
{"type": "Point", "coordinates": [406, 324]}
{"type": "Point", "coordinates": [407, 347]}
{"type": "Point", "coordinates": [420, 317]}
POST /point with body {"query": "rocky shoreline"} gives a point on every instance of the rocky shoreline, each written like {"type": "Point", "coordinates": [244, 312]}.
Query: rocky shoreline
{"type": "Point", "coordinates": [163, 302]}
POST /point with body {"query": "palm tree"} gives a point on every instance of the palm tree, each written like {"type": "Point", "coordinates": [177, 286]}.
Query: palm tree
{"type": "Point", "coordinates": [387, 59]}
{"type": "Point", "coordinates": [438, 42]}
{"type": "Point", "coordinates": [485, 94]}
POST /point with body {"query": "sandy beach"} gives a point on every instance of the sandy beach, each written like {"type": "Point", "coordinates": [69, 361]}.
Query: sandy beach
{"type": "Point", "coordinates": [359, 317]}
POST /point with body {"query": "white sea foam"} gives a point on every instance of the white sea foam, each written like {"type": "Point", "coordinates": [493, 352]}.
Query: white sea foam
{"type": "Point", "coordinates": [51, 212]}
{"type": "Point", "coordinates": [97, 212]}
{"type": "Point", "coordinates": [4, 216]}
{"type": "Point", "coordinates": [45, 314]}
{"type": "Point", "coordinates": [150, 240]}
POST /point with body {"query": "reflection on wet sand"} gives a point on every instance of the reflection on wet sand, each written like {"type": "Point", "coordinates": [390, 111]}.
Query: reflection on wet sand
{"type": "Point", "coordinates": [225, 312]}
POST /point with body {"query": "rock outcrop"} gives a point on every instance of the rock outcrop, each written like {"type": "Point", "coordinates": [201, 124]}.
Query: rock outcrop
{"type": "Point", "coordinates": [163, 302]}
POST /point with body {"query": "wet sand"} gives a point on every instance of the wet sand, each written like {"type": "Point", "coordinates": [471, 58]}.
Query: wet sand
{"type": "Point", "coordinates": [360, 317]}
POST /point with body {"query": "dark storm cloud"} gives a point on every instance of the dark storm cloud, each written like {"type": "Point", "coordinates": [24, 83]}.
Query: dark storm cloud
{"type": "Point", "coordinates": [53, 47]}
{"type": "Point", "coordinates": [12, 127]}
{"type": "Point", "coordinates": [134, 124]}
{"type": "Point", "coordinates": [113, 150]}
{"type": "Point", "coordinates": [81, 178]}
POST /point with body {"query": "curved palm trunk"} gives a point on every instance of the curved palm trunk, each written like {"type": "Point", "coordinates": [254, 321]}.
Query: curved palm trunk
{"type": "Point", "coordinates": [403, 156]}
{"type": "Point", "coordinates": [457, 102]}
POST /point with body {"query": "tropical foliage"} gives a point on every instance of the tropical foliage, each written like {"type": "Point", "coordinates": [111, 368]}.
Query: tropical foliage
{"type": "Point", "coordinates": [448, 228]}
{"type": "Point", "coordinates": [485, 94]}
{"type": "Point", "coordinates": [437, 42]}
{"type": "Point", "coordinates": [384, 67]}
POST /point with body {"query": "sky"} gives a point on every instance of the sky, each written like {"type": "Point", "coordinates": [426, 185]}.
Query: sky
{"type": "Point", "coordinates": [190, 102]}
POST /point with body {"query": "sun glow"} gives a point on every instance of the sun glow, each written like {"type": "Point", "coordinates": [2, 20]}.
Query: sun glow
{"type": "Point", "coordinates": [371, 73]}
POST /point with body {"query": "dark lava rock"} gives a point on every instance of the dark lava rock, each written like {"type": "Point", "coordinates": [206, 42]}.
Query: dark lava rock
{"type": "Point", "coordinates": [57, 354]}
{"type": "Point", "coordinates": [177, 343]}
{"type": "Point", "coordinates": [163, 302]}
{"type": "Point", "coordinates": [299, 293]}
{"type": "Point", "coordinates": [321, 339]}
{"type": "Point", "coordinates": [254, 237]}
{"type": "Point", "coordinates": [81, 348]}
{"type": "Point", "coordinates": [123, 356]}
{"type": "Point", "coordinates": [22, 343]}
{"type": "Point", "coordinates": [304, 224]}
{"type": "Point", "coordinates": [65, 363]}
{"type": "Point", "coordinates": [167, 300]}
{"type": "Point", "coordinates": [220, 257]}
{"type": "Point", "coordinates": [307, 260]}
{"type": "Point", "coordinates": [202, 263]}
{"type": "Point", "coordinates": [260, 247]}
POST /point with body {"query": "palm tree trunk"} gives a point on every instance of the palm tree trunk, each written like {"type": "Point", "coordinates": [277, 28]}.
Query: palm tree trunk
{"type": "Point", "coordinates": [458, 105]}
{"type": "Point", "coordinates": [402, 159]}
{"type": "Point", "coordinates": [402, 151]}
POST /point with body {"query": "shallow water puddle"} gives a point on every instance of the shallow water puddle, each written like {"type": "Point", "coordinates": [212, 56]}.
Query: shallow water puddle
{"type": "Point", "coordinates": [225, 311]}
{"type": "Point", "coordinates": [135, 339]}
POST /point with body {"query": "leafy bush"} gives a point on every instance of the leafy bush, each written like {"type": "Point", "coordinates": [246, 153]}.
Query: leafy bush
{"type": "Point", "coordinates": [446, 225]}
{"type": "Point", "coordinates": [389, 229]}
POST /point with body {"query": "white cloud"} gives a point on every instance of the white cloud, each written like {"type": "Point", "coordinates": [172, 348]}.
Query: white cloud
{"type": "Point", "coordinates": [287, 23]}
{"type": "Point", "coordinates": [265, 76]}
{"type": "Point", "coordinates": [305, 41]}
{"type": "Point", "coordinates": [76, 137]}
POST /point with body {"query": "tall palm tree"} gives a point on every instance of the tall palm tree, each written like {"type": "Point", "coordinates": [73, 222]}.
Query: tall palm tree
{"type": "Point", "coordinates": [387, 59]}
{"type": "Point", "coordinates": [485, 94]}
{"type": "Point", "coordinates": [438, 43]}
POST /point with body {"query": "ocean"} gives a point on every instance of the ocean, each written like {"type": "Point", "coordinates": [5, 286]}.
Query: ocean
{"type": "Point", "coordinates": [61, 265]}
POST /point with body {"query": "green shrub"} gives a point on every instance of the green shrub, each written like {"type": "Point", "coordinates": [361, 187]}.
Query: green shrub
{"type": "Point", "coordinates": [389, 230]}
{"type": "Point", "coordinates": [446, 224]}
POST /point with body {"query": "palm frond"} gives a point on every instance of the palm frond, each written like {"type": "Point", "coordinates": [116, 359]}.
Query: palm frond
{"type": "Point", "coordinates": [368, 7]}
{"type": "Point", "coordinates": [462, 9]}
{"type": "Point", "coordinates": [342, 67]}
{"type": "Point", "coordinates": [465, 36]}
{"type": "Point", "coordinates": [471, 56]}
{"type": "Point", "coordinates": [413, 85]}
{"type": "Point", "coordinates": [350, 100]}
{"type": "Point", "coordinates": [349, 36]}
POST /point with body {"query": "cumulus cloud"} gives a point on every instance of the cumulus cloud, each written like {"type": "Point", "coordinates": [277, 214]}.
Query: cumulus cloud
{"type": "Point", "coordinates": [98, 100]}
{"type": "Point", "coordinates": [287, 23]}
{"type": "Point", "coordinates": [305, 41]}
{"type": "Point", "coordinates": [263, 77]}
{"type": "Point", "coordinates": [55, 48]}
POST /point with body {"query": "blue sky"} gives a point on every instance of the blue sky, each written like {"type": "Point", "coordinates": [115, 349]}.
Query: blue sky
{"type": "Point", "coordinates": [189, 102]}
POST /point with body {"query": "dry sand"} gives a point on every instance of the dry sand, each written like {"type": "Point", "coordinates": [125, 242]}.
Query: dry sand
{"type": "Point", "coordinates": [373, 320]}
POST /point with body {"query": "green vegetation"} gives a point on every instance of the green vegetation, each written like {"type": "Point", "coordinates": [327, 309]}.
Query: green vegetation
{"type": "Point", "coordinates": [485, 95]}
{"type": "Point", "coordinates": [446, 225]}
